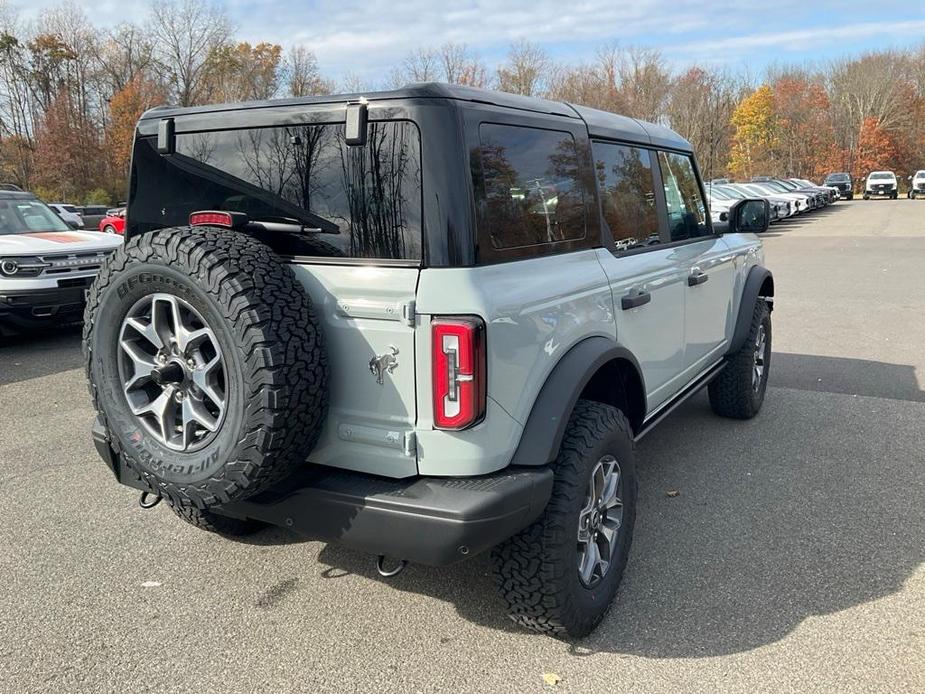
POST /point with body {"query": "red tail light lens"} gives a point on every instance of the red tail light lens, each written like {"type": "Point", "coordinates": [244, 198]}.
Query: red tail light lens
{"type": "Point", "coordinates": [458, 346]}
{"type": "Point", "coordinates": [211, 218]}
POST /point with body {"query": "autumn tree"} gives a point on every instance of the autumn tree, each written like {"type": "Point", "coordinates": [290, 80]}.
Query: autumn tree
{"type": "Point", "coordinates": [700, 108]}
{"type": "Point", "coordinates": [756, 136]}
{"type": "Point", "coordinates": [301, 74]}
{"type": "Point", "coordinates": [242, 72]}
{"type": "Point", "coordinates": [876, 149]}
{"type": "Point", "coordinates": [68, 153]}
{"type": "Point", "coordinates": [125, 108]}
{"type": "Point", "coordinates": [186, 34]}
{"type": "Point", "coordinates": [801, 108]}
{"type": "Point", "coordinates": [525, 70]}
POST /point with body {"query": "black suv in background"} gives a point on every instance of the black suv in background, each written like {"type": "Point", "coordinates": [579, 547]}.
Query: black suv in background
{"type": "Point", "coordinates": [843, 182]}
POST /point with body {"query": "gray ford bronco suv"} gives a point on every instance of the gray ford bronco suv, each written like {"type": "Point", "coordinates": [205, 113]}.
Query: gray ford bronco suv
{"type": "Point", "coordinates": [425, 323]}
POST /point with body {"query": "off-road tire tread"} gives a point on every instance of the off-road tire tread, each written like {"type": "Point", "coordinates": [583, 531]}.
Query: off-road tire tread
{"type": "Point", "coordinates": [214, 523]}
{"type": "Point", "coordinates": [282, 353]}
{"type": "Point", "coordinates": [731, 392]}
{"type": "Point", "coordinates": [532, 582]}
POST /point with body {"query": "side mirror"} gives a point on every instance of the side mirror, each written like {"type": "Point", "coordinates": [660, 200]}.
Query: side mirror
{"type": "Point", "coordinates": [750, 216]}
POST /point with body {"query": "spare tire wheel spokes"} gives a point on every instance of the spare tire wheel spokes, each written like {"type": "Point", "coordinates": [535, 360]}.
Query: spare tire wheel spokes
{"type": "Point", "coordinates": [172, 371]}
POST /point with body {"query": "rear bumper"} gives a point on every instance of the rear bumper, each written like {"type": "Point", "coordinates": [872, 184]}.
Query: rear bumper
{"type": "Point", "coordinates": [427, 520]}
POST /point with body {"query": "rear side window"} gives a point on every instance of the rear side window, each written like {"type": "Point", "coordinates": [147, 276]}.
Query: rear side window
{"type": "Point", "coordinates": [529, 186]}
{"type": "Point", "coordinates": [687, 213]}
{"type": "Point", "coordinates": [350, 201]}
{"type": "Point", "coordinates": [627, 190]}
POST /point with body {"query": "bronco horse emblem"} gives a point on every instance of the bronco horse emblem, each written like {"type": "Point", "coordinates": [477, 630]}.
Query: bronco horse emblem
{"type": "Point", "coordinates": [383, 364]}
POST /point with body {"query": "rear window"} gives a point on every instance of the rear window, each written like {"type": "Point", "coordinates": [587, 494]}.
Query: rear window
{"type": "Point", "coordinates": [530, 190]}
{"type": "Point", "coordinates": [350, 201]}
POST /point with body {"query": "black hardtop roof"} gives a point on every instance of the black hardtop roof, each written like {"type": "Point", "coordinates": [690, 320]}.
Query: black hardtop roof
{"type": "Point", "coordinates": [600, 123]}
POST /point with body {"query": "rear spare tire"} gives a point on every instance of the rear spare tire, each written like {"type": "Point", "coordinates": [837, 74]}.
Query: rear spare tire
{"type": "Point", "coordinates": [206, 363]}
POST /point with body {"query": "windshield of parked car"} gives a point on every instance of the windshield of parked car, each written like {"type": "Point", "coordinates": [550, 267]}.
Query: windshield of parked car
{"type": "Point", "coordinates": [838, 178]}
{"type": "Point", "coordinates": [882, 175]}
{"type": "Point", "coordinates": [28, 216]}
{"type": "Point", "coordinates": [785, 185]}
{"type": "Point", "coordinates": [920, 174]}
{"type": "Point", "coordinates": [715, 192]}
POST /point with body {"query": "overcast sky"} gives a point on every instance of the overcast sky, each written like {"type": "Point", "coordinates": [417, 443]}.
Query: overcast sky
{"type": "Point", "coordinates": [367, 38]}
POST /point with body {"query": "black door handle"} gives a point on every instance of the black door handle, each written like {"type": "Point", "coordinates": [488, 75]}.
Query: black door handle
{"type": "Point", "coordinates": [699, 278]}
{"type": "Point", "coordinates": [634, 300]}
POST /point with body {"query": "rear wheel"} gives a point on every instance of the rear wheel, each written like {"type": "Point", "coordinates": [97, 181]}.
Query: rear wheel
{"type": "Point", "coordinates": [560, 575]}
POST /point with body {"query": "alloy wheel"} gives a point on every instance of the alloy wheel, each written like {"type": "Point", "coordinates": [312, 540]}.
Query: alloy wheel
{"type": "Point", "coordinates": [599, 521]}
{"type": "Point", "coordinates": [173, 372]}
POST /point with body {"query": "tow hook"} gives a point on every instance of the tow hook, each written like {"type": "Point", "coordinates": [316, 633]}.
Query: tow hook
{"type": "Point", "coordinates": [380, 567]}
{"type": "Point", "coordinates": [145, 502]}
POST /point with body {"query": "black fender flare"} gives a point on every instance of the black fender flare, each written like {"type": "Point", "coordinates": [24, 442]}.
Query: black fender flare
{"type": "Point", "coordinates": [757, 276]}
{"type": "Point", "coordinates": [545, 427]}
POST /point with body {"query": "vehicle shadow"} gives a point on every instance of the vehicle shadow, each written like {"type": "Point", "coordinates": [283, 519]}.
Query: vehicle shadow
{"type": "Point", "coordinates": [800, 221]}
{"type": "Point", "coordinates": [40, 353]}
{"type": "Point", "coordinates": [807, 510]}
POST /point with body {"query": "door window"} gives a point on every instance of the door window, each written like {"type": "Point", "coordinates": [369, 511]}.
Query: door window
{"type": "Point", "coordinates": [624, 178]}
{"type": "Point", "coordinates": [687, 213]}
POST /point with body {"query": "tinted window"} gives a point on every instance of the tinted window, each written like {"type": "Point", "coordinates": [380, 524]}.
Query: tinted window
{"type": "Point", "coordinates": [687, 216]}
{"type": "Point", "coordinates": [357, 202]}
{"type": "Point", "coordinates": [624, 177]}
{"type": "Point", "coordinates": [529, 186]}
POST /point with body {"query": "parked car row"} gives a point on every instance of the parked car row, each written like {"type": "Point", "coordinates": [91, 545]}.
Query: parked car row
{"type": "Point", "coordinates": [786, 197]}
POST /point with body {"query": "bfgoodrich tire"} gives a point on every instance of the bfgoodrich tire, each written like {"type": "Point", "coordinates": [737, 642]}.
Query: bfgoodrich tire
{"type": "Point", "coordinates": [206, 363]}
{"type": "Point", "coordinates": [739, 390]}
{"type": "Point", "coordinates": [548, 573]}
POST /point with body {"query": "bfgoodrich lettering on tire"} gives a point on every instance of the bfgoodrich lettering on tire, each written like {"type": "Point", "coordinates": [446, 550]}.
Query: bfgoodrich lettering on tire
{"type": "Point", "coordinates": [560, 575]}
{"type": "Point", "coordinates": [206, 363]}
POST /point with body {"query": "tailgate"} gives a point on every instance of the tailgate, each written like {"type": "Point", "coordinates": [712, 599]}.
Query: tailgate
{"type": "Point", "coordinates": [368, 318]}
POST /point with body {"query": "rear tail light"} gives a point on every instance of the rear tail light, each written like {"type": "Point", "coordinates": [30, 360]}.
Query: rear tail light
{"type": "Point", "coordinates": [211, 218]}
{"type": "Point", "coordinates": [458, 345]}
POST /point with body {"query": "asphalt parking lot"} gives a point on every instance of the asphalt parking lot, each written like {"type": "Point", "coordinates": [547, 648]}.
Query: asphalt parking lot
{"type": "Point", "coordinates": [791, 560]}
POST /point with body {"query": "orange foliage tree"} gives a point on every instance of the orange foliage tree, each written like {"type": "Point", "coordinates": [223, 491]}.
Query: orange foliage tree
{"type": "Point", "coordinates": [876, 149]}
{"type": "Point", "coordinates": [125, 108]}
{"type": "Point", "coordinates": [67, 150]}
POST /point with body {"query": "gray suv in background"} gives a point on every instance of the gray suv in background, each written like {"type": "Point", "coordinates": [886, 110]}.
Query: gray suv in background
{"type": "Point", "coordinates": [426, 323]}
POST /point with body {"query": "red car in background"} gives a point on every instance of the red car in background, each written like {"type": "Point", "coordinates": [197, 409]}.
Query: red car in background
{"type": "Point", "coordinates": [114, 221]}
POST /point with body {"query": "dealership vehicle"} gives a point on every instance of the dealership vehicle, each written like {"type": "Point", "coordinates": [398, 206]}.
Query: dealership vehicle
{"type": "Point", "coordinates": [843, 182]}
{"type": "Point", "coordinates": [881, 184]}
{"type": "Point", "coordinates": [916, 185]}
{"type": "Point", "coordinates": [823, 196]}
{"type": "Point", "coordinates": [45, 266]}
{"type": "Point", "coordinates": [832, 193]}
{"type": "Point", "coordinates": [92, 215]}
{"type": "Point", "coordinates": [114, 221]}
{"type": "Point", "coordinates": [803, 202]}
{"type": "Point", "coordinates": [426, 323]}
{"type": "Point", "coordinates": [69, 214]}
{"type": "Point", "coordinates": [721, 201]}
{"type": "Point", "coordinates": [781, 207]}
